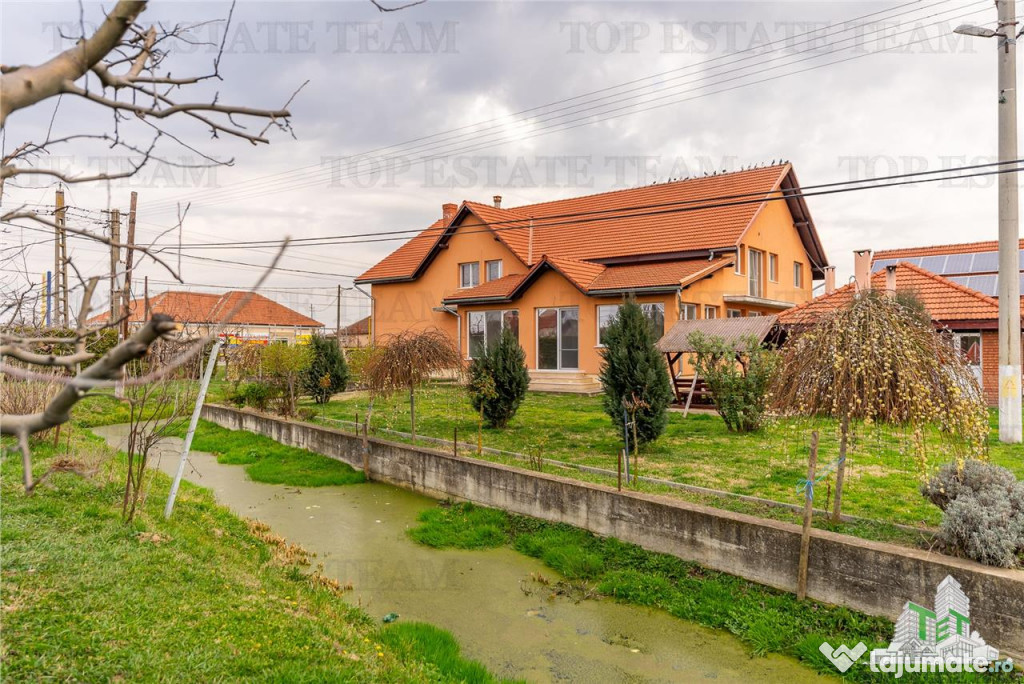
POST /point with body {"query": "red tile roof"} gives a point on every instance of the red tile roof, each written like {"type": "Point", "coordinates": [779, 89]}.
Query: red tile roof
{"type": "Point", "coordinates": [934, 250]}
{"type": "Point", "coordinates": [500, 288]}
{"type": "Point", "coordinates": [404, 261]}
{"type": "Point", "coordinates": [667, 218]}
{"type": "Point", "coordinates": [596, 278]}
{"type": "Point", "coordinates": [946, 301]}
{"type": "Point", "coordinates": [360, 327]}
{"type": "Point", "coordinates": [205, 308]}
{"type": "Point", "coordinates": [640, 275]}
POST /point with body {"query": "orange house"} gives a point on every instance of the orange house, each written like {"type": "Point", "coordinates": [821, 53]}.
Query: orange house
{"type": "Point", "coordinates": [732, 244]}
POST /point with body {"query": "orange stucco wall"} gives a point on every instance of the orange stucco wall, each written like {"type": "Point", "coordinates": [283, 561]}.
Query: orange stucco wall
{"type": "Point", "coordinates": [552, 290]}
{"type": "Point", "coordinates": [403, 306]}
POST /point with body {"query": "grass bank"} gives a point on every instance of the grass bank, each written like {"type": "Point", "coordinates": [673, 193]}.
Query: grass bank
{"type": "Point", "coordinates": [205, 596]}
{"type": "Point", "coordinates": [268, 461]}
{"type": "Point", "coordinates": [766, 620]}
{"type": "Point", "coordinates": [882, 480]}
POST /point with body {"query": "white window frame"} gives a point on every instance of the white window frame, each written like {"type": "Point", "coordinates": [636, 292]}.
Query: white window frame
{"type": "Point", "coordinates": [798, 274]}
{"type": "Point", "coordinates": [487, 269]}
{"type": "Point", "coordinates": [773, 267]}
{"type": "Point", "coordinates": [683, 307]}
{"type": "Point", "coordinates": [469, 327]}
{"type": "Point", "coordinates": [739, 260]}
{"type": "Point", "coordinates": [980, 366]}
{"type": "Point", "coordinates": [714, 311]}
{"type": "Point", "coordinates": [733, 313]}
{"type": "Point", "coordinates": [643, 305]}
{"type": "Point", "coordinates": [473, 270]}
{"type": "Point", "coordinates": [558, 337]}
{"type": "Point", "coordinates": [755, 281]}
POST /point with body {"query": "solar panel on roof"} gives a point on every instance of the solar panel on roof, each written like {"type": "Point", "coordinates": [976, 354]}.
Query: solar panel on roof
{"type": "Point", "coordinates": [881, 264]}
{"type": "Point", "coordinates": [935, 264]}
{"type": "Point", "coordinates": [985, 284]}
{"type": "Point", "coordinates": [961, 280]}
{"type": "Point", "coordinates": [958, 263]}
{"type": "Point", "coordinates": [985, 262]}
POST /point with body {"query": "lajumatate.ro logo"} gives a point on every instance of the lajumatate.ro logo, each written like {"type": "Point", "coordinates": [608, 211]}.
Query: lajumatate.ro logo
{"type": "Point", "coordinates": [927, 640]}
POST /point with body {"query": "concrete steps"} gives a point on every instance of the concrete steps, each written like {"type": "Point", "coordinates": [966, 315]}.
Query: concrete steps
{"type": "Point", "coordinates": [566, 382]}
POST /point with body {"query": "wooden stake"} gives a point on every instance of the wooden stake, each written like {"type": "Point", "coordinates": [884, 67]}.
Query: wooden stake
{"type": "Point", "coordinates": [805, 537]}
{"type": "Point", "coordinates": [620, 470]}
{"type": "Point", "coordinates": [128, 259]}
{"type": "Point", "coordinates": [115, 261]}
{"type": "Point", "coordinates": [455, 441]}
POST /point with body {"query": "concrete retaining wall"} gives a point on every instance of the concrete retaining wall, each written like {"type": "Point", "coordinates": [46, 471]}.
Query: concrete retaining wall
{"type": "Point", "coordinates": [870, 577]}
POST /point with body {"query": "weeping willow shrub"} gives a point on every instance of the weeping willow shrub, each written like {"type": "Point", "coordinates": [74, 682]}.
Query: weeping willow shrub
{"type": "Point", "coordinates": [878, 360]}
{"type": "Point", "coordinates": [407, 360]}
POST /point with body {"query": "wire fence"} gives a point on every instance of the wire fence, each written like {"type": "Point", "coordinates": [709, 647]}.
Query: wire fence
{"type": "Point", "coordinates": [466, 447]}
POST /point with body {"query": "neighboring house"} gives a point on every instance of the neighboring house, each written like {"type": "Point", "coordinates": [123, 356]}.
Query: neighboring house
{"type": "Point", "coordinates": [248, 318]}
{"type": "Point", "coordinates": [968, 315]}
{"type": "Point", "coordinates": [974, 264]}
{"type": "Point", "coordinates": [355, 335]}
{"type": "Point", "coordinates": [554, 273]}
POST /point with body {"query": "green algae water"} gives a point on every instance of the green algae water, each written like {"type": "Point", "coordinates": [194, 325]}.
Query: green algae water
{"type": "Point", "coordinates": [489, 600]}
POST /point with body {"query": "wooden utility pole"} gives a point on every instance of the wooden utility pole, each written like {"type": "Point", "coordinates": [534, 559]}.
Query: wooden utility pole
{"type": "Point", "coordinates": [145, 295]}
{"type": "Point", "coordinates": [115, 260]}
{"type": "Point", "coordinates": [127, 293]}
{"type": "Point", "coordinates": [60, 265]}
{"type": "Point", "coordinates": [337, 332]}
{"type": "Point", "coordinates": [805, 536]}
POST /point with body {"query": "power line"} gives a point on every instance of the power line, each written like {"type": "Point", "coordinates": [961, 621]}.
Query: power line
{"type": "Point", "coordinates": [720, 201]}
{"type": "Point", "coordinates": [230, 194]}
{"type": "Point", "coordinates": [897, 180]}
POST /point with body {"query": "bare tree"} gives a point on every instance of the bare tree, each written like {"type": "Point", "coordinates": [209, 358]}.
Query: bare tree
{"type": "Point", "coordinates": [407, 360]}
{"type": "Point", "coordinates": [122, 68]}
{"type": "Point", "coordinates": [154, 409]}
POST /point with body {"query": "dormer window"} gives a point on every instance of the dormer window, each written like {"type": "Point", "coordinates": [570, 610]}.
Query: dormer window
{"type": "Point", "coordinates": [469, 274]}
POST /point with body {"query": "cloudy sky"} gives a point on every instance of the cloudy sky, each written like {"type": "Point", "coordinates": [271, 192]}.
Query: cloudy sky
{"type": "Point", "coordinates": [529, 100]}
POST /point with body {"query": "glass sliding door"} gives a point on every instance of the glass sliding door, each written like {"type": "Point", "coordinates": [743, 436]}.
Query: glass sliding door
{"type": "Point", "coordinates": [569, 338]}
{"type": "Point", "coordinates": [547, 339]}
{"type": "Point", "coordinates": [558, 338]}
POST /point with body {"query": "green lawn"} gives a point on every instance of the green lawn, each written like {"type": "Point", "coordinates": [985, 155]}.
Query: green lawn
{"type": "Point", "coordinates": [205, 596]}
{"type": "Point", "coordinates": [882, 480]}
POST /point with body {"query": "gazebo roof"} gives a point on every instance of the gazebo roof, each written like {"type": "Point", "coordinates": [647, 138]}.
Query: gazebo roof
{"type": "Point", "coordinates": [732, 330]}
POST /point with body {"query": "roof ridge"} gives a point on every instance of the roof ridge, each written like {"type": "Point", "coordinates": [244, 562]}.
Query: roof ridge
{"type": "Point", "coordinates": [952, 245]}
{"type": "Point", "coordinates": [650, 185]}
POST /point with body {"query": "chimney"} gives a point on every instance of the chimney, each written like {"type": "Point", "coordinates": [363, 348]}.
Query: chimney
{"type": "Point", "coordinates": [890, 280]}
{"type": "Point", "coordinates": [830, 279]}
{"type": "Point", "coordinates": [497, 201]}
{"type": "Point", "coordinates": [448, 211]}
{"type": "Point", "coordinates": [862, 269]}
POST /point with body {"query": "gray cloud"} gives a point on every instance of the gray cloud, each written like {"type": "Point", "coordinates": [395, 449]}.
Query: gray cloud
{"type": "Point", "coordinates": [380, 79]}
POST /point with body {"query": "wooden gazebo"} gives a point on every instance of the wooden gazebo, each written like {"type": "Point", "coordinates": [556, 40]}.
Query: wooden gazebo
{"type": "Point", "coordinates": [676, 343]}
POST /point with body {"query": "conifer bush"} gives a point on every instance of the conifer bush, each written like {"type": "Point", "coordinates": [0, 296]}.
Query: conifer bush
{"type": "Point", "coordinates": [498, 381]}
{"type": "Point", "coordinates": [327, 373]}
{"type": "Point", "coordinates": [634, 374]}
